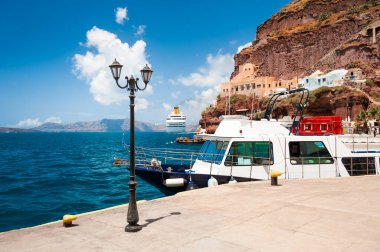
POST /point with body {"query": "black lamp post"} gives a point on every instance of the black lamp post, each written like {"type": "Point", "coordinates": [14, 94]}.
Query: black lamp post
{"type": "Point", "coordinates": [132, 86]}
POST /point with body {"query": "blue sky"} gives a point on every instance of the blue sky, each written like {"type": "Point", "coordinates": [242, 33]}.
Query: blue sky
{"type": "Point", "coordinates": [55, 55]}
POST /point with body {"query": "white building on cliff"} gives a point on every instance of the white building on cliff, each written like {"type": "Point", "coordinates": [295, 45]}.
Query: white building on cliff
{"type": "Point", "coordinates": [319, 79]}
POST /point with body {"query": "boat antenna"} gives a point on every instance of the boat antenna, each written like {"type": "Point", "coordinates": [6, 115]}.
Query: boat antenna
{"type": "Point", "coordinates": [253, 98]}
{"type": "Point", "coordinates": [225, 109]}
{"type": "Point", "coordinates": [229, 101]}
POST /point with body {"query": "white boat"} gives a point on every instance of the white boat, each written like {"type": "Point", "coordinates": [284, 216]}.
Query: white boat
{"type": "Point", "coordinates": [249, 150]}
{"type": "Point", "coordinates": [176, 121]}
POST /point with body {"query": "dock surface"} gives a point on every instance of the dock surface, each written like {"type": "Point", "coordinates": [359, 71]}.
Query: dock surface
{"type": "Point", "coordinates": [338, 214]}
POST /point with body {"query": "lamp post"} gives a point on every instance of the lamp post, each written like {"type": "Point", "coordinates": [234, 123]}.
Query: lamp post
{"type": "Point", "coordinates": [132, 86]}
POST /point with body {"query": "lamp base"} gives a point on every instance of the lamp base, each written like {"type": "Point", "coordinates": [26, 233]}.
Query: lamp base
{"type": "Point", "coordinates": [132, 228]}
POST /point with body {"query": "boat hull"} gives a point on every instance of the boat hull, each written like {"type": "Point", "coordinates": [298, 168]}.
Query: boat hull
{"type": "Point", "coordinates": [156, 177]}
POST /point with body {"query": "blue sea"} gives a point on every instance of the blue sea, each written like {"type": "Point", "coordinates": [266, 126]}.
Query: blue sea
{"type": "Point", "coordinates": [46, 175]}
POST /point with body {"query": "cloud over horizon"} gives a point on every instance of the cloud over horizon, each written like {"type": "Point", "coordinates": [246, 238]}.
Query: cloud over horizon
{"type": "Point", "coordinates": [208, 78]}
{"type": "Point", "coordinates": [102, 48]}
{"type": "Point", "coordinates": [217, 70]}
{"type": "Point", "coordinates": [35, 122]}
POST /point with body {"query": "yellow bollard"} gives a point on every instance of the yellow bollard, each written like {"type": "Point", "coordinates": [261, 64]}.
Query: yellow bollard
{"type": "Point", "coordinates": [274, 175]}
{"type": "Point", "coordinates": [68, 220]}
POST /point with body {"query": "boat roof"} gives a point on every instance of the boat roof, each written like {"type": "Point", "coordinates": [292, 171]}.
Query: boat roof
{"type": "Point", "coordinates": [241, 126]}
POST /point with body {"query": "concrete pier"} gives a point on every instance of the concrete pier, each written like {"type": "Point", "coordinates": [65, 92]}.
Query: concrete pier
{"type": "Point", "coordinates": [338, 214]}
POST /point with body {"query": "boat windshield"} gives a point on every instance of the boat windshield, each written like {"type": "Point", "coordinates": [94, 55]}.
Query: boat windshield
{"type": "Point", "coordinates": [213, 151]}
{"type": "Point", "coordinates": [250, 153]}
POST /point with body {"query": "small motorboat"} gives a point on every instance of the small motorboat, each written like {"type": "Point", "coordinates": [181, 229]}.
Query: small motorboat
{"type": "Point", "coordinates": [120, 162]}
{"type": "Point", "coordinates": [190, 140]}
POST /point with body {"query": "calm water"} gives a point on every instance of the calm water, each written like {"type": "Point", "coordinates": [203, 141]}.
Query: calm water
{"type": "Point", "coordinates": [46, 175]}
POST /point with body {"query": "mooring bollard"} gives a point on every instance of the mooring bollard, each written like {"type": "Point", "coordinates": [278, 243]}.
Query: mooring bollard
{"type": "Point", "coordinates": [274, 177]}
{"type": "Point", "coordinates": [68, 220]}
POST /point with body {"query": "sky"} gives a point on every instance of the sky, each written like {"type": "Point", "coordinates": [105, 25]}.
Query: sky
{"type": "Point", "coordinates": [55, 56]}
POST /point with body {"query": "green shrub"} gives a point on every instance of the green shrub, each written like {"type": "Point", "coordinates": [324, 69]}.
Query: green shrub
{"type": "Point", "coordinates": [372, 3]}
{"type": "Point", "coordinates": [354, 10]}
{"type": "Point", "coordinates": [320, 91]}
{"type": "Point", "coordinates": [376, 95]}
{"type": "Point", "coordinates": [369, 82]}
{"type": "Point", "coordinates": [324, 16]}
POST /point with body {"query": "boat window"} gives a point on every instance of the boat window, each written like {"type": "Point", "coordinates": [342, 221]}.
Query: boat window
{"type": "Point", "coordinates": [313, 152]}
{"type": "Point", "coordinates": [221, 150]}
{"type": "Point", "coordinates": [359, 165]}
{"type": "Point", "coordinates": [250, 153]}
{"type": "Point", "coordinates": [213, 151]}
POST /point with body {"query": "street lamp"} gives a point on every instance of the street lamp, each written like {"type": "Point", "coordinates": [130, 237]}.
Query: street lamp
{"type": "Point", "coordinates": [132, 86]}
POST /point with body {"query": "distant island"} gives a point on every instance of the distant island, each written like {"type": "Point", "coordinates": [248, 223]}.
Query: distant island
{"type": "Point", "coordinates": [13, 130]}
{"type": "Point", "coordinates": [104, 125]}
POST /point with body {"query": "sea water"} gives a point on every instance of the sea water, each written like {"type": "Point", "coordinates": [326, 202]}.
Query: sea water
{"type": "Point", "coordinates": [46, 175]}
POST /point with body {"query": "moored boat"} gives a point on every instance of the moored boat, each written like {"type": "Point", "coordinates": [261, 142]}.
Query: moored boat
{"type": "Point", "coordinates": [190, 140]}
{"type": "Point", "coordinates": [247, 150]}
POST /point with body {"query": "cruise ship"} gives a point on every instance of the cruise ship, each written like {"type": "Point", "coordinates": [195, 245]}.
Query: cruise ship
{"type": "Point", "coordinates": [176, 122]}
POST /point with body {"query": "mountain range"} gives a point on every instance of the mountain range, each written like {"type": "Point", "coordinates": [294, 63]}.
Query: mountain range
{"type": "Point", "coordinates": [104, 125]}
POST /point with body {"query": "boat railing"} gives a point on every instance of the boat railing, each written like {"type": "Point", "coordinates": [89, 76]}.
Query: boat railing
{"type": "Point", "coordinates": [354, 166]}
{"type": "Point", "coordinates": [301, 165]}
{"type": "Point", "coordinates": [147, 156]}
{"type": "Point", "coordinates": [155, 157]}
{"type": "Point", "coordinates": [359, 142]}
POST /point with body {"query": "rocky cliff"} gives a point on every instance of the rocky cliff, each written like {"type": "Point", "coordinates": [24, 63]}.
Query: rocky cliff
{"type": "Point", "coordinates": [309, 35]}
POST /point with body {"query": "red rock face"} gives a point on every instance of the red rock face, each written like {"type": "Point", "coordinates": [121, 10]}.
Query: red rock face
{"type": "Point", "coordinates": [300, 12]}
{"type": "Point", "coordinates": [310, 35]}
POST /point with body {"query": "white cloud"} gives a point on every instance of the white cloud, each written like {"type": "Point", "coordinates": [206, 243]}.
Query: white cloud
{"type": "Point", "coordinates": [29, 123]}
{"type": "Point", "coordinates": [217, 70]}
{"type": "Point", "coordinates": [35, 122]}
{"type": "Point", "coordinates": [140, 30]}
{"type": "Point", "coordinates": [167, 106]}
{"type": "Point", "coordinates": [103, 47]}
{"type": "Point", "coordinates": [121, 15]}
{"type": "Point", "coordinates": [53, 119]}
{"type": "Point", "coordinates": [243, 46]}
{"type": "Point", "coordinates": [203, 98]}
{"type": "Point", "coordinates": [207, 78]}
{"type": "Point", "coordinates": [147, 92]}
{"type": "Point", "coordinates": [141, 104]}
{"type": "Point", "coordinates": [175, 94]}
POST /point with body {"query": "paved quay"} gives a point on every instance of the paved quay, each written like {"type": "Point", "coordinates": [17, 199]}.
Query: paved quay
{"type": "Point", "coordinates": [338, 214]}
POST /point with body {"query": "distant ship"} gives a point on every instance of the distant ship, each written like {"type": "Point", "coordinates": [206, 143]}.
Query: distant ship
{"type": "Point", "coordinates": [176, 122]}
